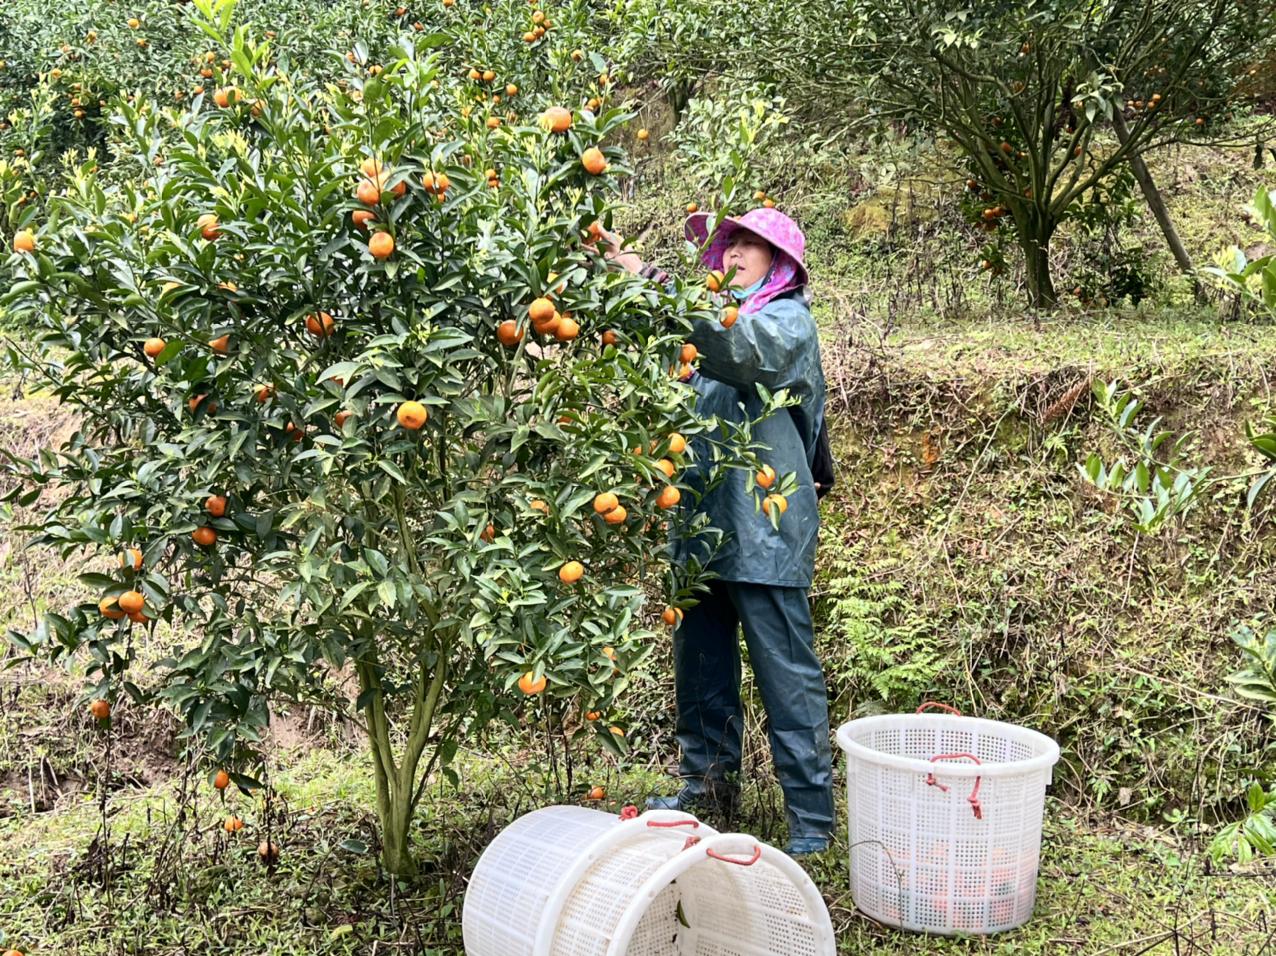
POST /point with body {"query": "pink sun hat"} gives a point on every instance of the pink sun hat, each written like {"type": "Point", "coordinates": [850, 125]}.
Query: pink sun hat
{"type": "Point", "coordinates": [769, 224]}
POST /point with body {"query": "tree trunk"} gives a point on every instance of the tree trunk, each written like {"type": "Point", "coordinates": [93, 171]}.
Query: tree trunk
{"type": "Point", "coordinates": [394, 811]}
{"type": "Point", "coordinates": [1157, 205]}
{"type": "Point", "coordinates": [1034, 239]}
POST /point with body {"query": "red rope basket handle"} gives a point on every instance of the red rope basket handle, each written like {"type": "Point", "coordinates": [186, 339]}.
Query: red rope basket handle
{"type": "Point", "coordinates": [673, 823]}
{"type": "Point", "coordinates": [757, 855]}
{"type": "Point", "coordinates": [973, 799]}
{"type": "Point", "coordinates": [934, 703]}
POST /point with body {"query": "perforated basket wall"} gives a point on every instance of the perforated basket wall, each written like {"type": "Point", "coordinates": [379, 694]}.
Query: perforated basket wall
{"type": "Point", "coordinates": [566, 881]}
{"type": "Point", "coordinates": [921, 857]}
{"type": "Point", "coordinates": [710, 909]}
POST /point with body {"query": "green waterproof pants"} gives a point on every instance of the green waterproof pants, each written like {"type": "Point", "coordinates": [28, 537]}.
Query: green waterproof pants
{"type": "Point", "coordinates": [777, 629]}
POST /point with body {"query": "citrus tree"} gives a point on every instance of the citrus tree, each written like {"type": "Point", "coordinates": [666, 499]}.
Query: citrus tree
{"type": "Point", "coordinates": [359, 403]}
{"type": "Point", "coordinates": [1045, 100]}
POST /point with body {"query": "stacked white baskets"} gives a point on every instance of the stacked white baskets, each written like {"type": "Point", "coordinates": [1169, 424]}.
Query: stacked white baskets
{"type": "Point", "coordinates": [945, 819]}
{"type": "Point", "coordinates": [571, 881]}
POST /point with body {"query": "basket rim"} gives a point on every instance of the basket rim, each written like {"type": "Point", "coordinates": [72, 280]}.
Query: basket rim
{"type": "Point", "coordinates": [739, 843]}
{"type": "Point", "coordinates": [1047, 758]}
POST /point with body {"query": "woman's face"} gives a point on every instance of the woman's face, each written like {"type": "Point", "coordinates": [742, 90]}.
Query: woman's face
{"type": "Point", "coordinates": [749, 255]}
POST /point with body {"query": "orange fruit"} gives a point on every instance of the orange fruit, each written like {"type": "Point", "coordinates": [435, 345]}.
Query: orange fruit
{"type": "Point", "coordinates": [671, 615]}
{"type": "Point", "coordinates": [368, 193]}
{"type": "Point", "coordinates": [131, 602]}
{"type": "Point", "coordinates": [567, 330]}
{"type": "Point", "coordinates": [668, 497]}
{"type": "Point", "coordinates": [137, 617]}
{"type": "Point", "coordinates": [319, 324]}
{"type": "Point", "coordinates": [362, 217]}
{"type": "Point", "coordinates": [233, 824]}
{"type": "Point", "coordinates": [294, 431]}
{"type": "Point", "coordinates": [509, 333]}
{"type": "Point", "coordinates": [133, 557]}
{"type": "Point", "coordinates": [207, 225]}
{"type": "Point", "coordinates": [556, 119]}
{"type": "Point", "coordinates": [264, 394]}
{"type": "Point", "coordinates": [578, 55]}
{"type": "Point", "coordinates": [510, 89]}
{"type": "Point", "coordinates": [713, 281]}
{"type": "Point", "coordinates": [593, 160]}
{"type": "Point", "coordinates": [665, 465]}
{"type": "Point", "coordinates": [693, 207]}
{"type": "Point", "coordinates": [531, 685]}
{"type": "Point", "coordinates": [604, 502]}
{"type": "Point", "coordinates": [370, 167]}
{"type": "Point", "coordinates": [778, 501]}
{"type": "Point", "coordinates": [221, 344]}
{"type": "Point", "coordinates": [677, 444]}
{"type": "Point", "coordinates": [597, 793]}
{"type": "Point", "coordinates": [153, 347]}
{"type": "Point", "coordinates": [225, 96]}
{"type": "Point", "coordinates": [489, 533]}
{"type": "Point", "coordinates": [571, 572]}
{"type": "Point", "coordinates": [412, 415]}
{"type": "Point", "coordinates": [134, 23]}
{"type": "Point", "coordinates": [204, 537]}
{"type": "Point", "coordinates": [489, 76]}
{"type": "Point", "coordinates": [381, 245]}
{"type": "Point", "coordinates": [769, 203]}
{"type": "Point", "coordinates": [24, 241]}
{"type": "Point", "coordinates": [642, 135]}
{"type": "Point", "coordinates": [541, 310]}
{"type": "Point", "coordinates": [341, 417]}
{"type": "Point", "coordinates": [529, 37]}
{"type": "Point", "coordinates": [729, 315]}
{"type": "Point", "coordinates": [687, 353]}
{"type": "Point", "coordinates": [100, 709]}
{"type": "Point", "coordinates": [222, 780]}
{"type": "Point", "coordinates": [110, 608]}
{"type": "Point", "coordinates": [538, 505]}
{"type": "Point", "coordinates": [493, 122]}
{"type": "Point", "coordinates": [215, 505]}
{"type": "Point", "coordinates": [766, 477]}
{"type": "Point", "coordinates": [609, 337]}
{"type": "Point", "coordinates": [617, 515]}
{"type": "Point", "coordinates": [592, 715]}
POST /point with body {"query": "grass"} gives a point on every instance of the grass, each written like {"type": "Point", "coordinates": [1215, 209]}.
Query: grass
{"type": "Point", "coordinates": [181, 885]}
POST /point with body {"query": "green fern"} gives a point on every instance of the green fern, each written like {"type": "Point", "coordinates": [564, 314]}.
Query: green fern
{"type": "Point", "coordinates": [878, 645]}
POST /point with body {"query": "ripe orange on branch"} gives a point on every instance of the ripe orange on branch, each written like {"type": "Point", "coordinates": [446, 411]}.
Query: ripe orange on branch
{"type": "Point", "coordinates": [153, 347]}
{"type": "Point", "coordinates": [594, 161]}
{"type": "Point", "coordinates": [204, 537]}
{"type": "Point", "coordinates": [412, 415]}
{"type": "Point", "coordinates": [132, 602]}
{"type": "Point", "coordinates": [571, 572]}
{"type": "Point", "coordinates": [215, 505]}
{"type": "Point", "coordinates": [100, 709]}
{"type": "Point", "coordinates": [381, 245]}
{"type": "Point", "coordinates": [531, 685]}
{"type": "Point", "coordinates": [319, 324]}
{"type": "Point", "coordinates": [556, 119]}
{"type": "Point", "coordinates": [221, 780]}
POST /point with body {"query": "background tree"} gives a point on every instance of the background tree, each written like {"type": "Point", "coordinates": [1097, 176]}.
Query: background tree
{"type": "Point", "coordinates": [359, 401]}
{"type": "Point", "coordinates": [1045, 99]}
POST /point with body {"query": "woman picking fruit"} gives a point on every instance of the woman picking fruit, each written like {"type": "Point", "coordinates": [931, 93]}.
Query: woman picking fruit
{"type": "Point", "coordinates": [762, 573]}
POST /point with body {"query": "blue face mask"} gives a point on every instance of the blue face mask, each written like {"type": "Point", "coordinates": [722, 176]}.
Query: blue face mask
{"type": "Point", "coordinates": [743, 294]}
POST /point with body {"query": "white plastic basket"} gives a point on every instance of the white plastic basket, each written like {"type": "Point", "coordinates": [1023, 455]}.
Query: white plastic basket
{"type": "Point", "coordinates": [945, 817]}
{"type": "Point", "coordinates": [570, 881]}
